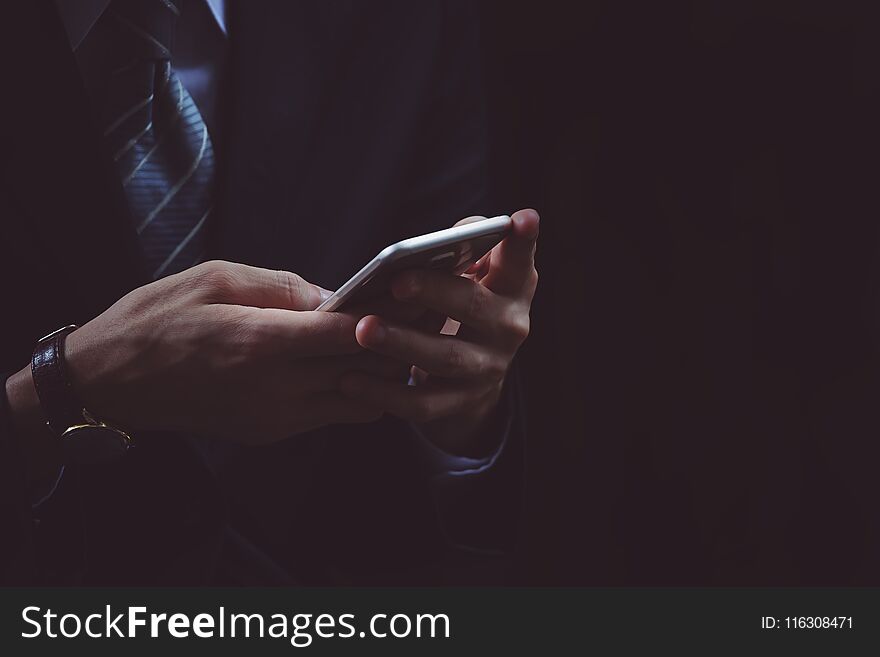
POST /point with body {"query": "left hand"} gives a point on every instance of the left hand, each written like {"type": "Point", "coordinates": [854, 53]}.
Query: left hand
{"type": "Point", "coordinates": [459, 375]}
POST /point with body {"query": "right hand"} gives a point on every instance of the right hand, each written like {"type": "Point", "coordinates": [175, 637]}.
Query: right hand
{"type": "Point", "coordinates": [221, 350]}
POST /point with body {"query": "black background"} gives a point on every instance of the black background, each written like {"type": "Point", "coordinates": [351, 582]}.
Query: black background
{"type": "Point", "coordinates": [702, 371]}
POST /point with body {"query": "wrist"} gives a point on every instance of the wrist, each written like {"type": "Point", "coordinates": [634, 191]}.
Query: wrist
{"type": "Point", "coordinates": [83, 437]}
{"type": "Point", "coordinates": [92, 377]}
{"type": "Point", "coordinates": [471, 434]}
{"type": "Point", "coordinates": [83, 375]}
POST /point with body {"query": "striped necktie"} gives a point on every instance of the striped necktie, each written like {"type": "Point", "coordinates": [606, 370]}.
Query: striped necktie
{"type": "Point", "coordinates": [157, 137]}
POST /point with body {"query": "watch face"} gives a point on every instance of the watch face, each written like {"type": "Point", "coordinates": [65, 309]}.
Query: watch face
{"type": "Point", "coordinates": [93, 444]}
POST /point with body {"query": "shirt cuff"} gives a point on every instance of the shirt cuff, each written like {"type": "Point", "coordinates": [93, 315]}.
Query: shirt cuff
{"type": "Point", "coordinates": [443, 463]}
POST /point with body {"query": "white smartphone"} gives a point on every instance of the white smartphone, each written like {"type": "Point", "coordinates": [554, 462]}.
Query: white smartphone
{"type": "Point", "coordinates": [452, 249]}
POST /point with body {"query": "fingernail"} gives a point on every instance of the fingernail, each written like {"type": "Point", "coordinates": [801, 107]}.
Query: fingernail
{"type": "Point", "coordinates": [325, 294]}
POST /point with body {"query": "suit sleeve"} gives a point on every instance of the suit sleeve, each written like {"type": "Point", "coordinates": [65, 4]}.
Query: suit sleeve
{"type": "Point", "coordinates": [480, 507]}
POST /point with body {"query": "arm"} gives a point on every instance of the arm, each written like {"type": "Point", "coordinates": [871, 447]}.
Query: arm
{"type": "Point", "coordinates": [481, 499]}
{"type": "Point", "coordinates": [221, 350]}
{"type": "Point", "coordinates": [465, 401]}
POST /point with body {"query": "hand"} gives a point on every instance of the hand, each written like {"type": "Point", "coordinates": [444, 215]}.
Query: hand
{"type": "Point", "coordinates": [222, 350]}
{"type": "Point", "coordinates": [459, 376]}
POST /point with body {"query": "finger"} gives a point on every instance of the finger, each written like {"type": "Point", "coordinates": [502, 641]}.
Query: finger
{"type": "Point", "coordinates": [390, 308]}
{"type": "Point", "coordinates": [512, 267]}
{"type": "Point", "coordinates": [460, 298]}
{"type": "Point", "coordinates": [469, 220]}
{"type": "Point", "coordinates": [429, 322]}
{"type": "Point", "coordinates": [480, 268]}
{"type": "Point", "coordinates": [441, 355]}
{"type": "Point", "coordinates": [234, 283]}
{"type": "Point", "coordinates": [373, 363]}
{"type": "Point", "coordinates": [324, 373]}
{"type": "Point", "coordinates": [302, 334]}
{"type": "Point", "coordinates": [419, 404]}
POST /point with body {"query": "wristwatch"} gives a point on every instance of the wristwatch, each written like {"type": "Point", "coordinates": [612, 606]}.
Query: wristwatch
{"type": "Point", "coordinates": [84, 439]}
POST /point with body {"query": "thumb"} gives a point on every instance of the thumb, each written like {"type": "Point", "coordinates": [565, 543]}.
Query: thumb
{"type": "Point", "coordinates": [512, 265]}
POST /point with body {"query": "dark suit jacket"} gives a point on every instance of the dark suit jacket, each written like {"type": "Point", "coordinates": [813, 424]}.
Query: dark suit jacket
{"type": "Point", "coordinates": [345, 125]}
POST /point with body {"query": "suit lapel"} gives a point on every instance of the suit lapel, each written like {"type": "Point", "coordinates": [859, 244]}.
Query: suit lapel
{"type": "Point", "coordinates": [55, 167]}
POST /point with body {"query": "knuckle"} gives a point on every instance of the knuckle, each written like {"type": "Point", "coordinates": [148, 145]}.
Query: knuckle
{"type": "Point", "coordinates": [251, 343]}
{"type": "Point", "coordinates": [231, 347]}
{"type": "Point", "coordinates": [216, 277]}
{"type": "Point", "coordinates": [251, 337]}
{"type": "Point", "coordinates": [210, 268]}
{"type": "Point", "coordinates": [294, 287]}
{"type": "Point", "coordinates": [342, 327]}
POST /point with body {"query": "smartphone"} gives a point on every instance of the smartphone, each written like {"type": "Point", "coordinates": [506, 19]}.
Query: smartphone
{"type": "Point", "coordinates": [452, 249]}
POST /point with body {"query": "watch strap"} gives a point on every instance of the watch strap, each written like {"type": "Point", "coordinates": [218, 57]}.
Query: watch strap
{"type": "Point", "coordinates": [59, 402]}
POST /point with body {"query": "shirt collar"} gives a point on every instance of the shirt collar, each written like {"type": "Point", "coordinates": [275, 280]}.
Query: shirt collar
{"type": "Point", "coordinates": [79, 16]}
